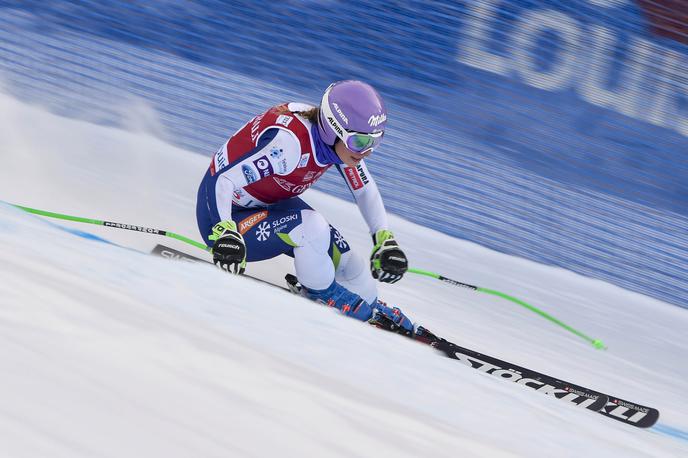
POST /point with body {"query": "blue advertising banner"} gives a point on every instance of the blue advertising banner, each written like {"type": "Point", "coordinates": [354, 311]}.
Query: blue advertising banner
{"type": "Point", "coordinates": [549, 129]}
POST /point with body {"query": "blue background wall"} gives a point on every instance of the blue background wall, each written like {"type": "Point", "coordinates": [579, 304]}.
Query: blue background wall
{"type": "Point", "coordinates": [553, 130]}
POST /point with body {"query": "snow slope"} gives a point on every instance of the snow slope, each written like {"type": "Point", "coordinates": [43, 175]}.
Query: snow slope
{"type": "Point", "coordinates": [105, 351]}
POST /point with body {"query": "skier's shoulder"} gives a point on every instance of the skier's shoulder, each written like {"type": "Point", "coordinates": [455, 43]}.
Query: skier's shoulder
{"type": "Point", "coordinates": [283, 114]}
{"type": "Point", "coordinates": [281, 148]}
{"type": "Point", "coordinates": [281, 141]}
{"type": "Point", "coordinates": [299, 107]}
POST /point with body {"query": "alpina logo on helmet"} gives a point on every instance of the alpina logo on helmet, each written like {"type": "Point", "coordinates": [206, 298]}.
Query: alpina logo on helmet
{"type": "Point", "coordinates": [376, 120]}
{"type": "Point", "coordinates": [341, 114]}
{"type": "Point", "coordinates": [335, 125]}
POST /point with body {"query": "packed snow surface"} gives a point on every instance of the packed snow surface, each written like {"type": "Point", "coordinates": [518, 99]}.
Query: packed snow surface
{"type": "Point", "coordinates": [106, 351]}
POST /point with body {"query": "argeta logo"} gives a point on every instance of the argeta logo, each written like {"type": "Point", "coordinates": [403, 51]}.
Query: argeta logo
{"type": "Point", "coordinates": [251, 221]}
{"type": "Point", "coordinates": [263, 231]}
{"type": "Point", "coordinates": [376, 120]}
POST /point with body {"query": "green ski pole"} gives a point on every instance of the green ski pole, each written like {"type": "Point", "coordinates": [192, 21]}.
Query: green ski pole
{"type": "Point", "coordinates": [595, 342]}
{"type": "Point", "coordinates": [130, 227]}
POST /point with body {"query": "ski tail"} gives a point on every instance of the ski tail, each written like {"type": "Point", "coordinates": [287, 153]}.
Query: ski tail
{"type": "Point", "coordinates": [630, 413]}
{"type": "Point", "coordinates": [170, 253]}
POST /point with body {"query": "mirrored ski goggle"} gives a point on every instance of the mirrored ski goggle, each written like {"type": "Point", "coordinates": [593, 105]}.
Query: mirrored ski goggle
{"type": "Point", "coordinates": [359, 142]}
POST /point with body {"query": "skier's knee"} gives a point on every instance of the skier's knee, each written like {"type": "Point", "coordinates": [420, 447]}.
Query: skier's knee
{"type": "Point", "coordinates": [315, 231]}
{"type": "Point", "coordinates": [353, 273]}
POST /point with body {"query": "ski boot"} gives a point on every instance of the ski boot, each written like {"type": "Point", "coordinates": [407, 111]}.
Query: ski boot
{"type": "Point", "coordinates": [391, 319]}
{"type": "Point", "coordinates": [381, 316]}
{"type": "Point", "coordinates": [424, 336]}
{"type": "Point", "coordinates": [337, 296]}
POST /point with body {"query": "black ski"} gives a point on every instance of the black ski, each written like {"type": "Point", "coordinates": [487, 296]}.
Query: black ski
{"type": "Point", "coordinates": [610, 406]}
{"type": "Point", "coordinates": [626, 412]}
{"type": "Point", "coordinates": [170, 253]}
{"type": "Point", "coordinates": [176, 255]}
{"type": "Point", "coordinates": [565, 391]}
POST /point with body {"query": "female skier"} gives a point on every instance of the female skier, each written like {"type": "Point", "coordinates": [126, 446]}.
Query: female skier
{"type": "Point", "coordinates": [248, 207]}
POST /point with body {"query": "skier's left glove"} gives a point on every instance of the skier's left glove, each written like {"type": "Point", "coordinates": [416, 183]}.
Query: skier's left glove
{"type": "Point", "coordinates": [229, 249]}
{"type": "Point", "coordinates": [387, 262]}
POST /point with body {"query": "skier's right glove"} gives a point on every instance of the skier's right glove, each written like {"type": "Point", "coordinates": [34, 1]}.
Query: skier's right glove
{"type": "Point", "coordinates": [229, 249]}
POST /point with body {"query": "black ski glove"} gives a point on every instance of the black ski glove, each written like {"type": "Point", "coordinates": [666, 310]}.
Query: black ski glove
{"type": "Point", "coordinates": [229, 249]}
{"type": "Point", "coordinates": [387, 262]}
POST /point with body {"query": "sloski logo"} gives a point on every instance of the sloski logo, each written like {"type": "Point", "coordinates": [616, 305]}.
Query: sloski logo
{"type": "Point", "coordinates": [283, 220]}
{"type": "Point", "coordinates": [376, 120]}
{"type": "Point", "coordinates": [282, 225]}
{"type": "Point", "coordinates": [263, 231]}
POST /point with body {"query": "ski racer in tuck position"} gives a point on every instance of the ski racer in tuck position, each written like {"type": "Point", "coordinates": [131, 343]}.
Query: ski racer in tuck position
{"type": "Point", "coordinates": [248, 207]}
